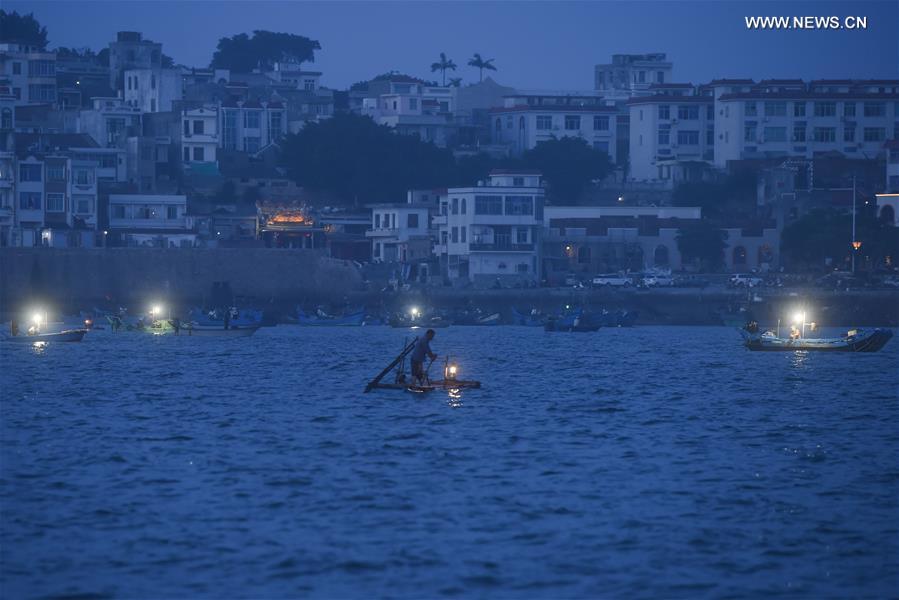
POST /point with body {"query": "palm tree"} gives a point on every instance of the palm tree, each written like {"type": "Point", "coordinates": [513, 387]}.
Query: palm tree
{"type": "Point", "coordinates": [455, 81]}
{"type": "Point", "coordinates": [442, 65]}
{"type": "Point", "coordinates": [481, 64]}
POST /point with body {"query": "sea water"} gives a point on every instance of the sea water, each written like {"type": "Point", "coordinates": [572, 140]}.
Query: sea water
{"type": "Point", "coordinates": [645, 462]}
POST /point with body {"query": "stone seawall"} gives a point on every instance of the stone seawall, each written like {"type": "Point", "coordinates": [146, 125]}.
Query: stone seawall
{"type": "Point", "coordinates": [80, 277]}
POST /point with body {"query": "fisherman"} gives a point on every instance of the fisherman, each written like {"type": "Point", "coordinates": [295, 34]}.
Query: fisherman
{"type": "Point", "coordinates": [422, 350]}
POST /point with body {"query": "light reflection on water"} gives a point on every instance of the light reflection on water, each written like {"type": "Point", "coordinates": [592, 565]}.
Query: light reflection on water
{"type": "Point", "coordinates": [662, 462]}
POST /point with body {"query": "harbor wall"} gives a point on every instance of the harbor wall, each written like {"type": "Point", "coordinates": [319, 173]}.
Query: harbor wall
{"type": "Point", "coordinates": [81, 277]}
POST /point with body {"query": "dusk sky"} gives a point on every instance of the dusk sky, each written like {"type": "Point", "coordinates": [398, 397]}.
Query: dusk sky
{"type": "Point", "coordinates": [536, 45]}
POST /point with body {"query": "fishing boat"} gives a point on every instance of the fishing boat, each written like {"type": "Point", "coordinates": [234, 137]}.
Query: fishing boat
{"type": "Point", "coordinates": [534, 318]}
{"type": "Point", "coordinates": [855, 340]}
{"type": "Point", "coordinates": [402, 381]}
{"type": "Point", "coordinates": [352, 319]}
{"type": "Point", "coordinates": [196, 330]}
{"type": "Point", "coordinates": [216, 317]}
{"type": "Point", "coordinates": [578, 321]}
{"type": "Point", "coordinates": [68, 335]}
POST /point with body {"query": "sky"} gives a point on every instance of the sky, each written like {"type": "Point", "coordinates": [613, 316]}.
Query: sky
{"type": "Point", "coordinates": [549, 45]}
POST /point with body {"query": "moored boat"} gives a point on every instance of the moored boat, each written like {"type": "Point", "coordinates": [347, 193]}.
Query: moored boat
{"type": "Point", "coordinates": [855, 340]}
{"type": "Point", "coordinates": [192, 329]}
{"type": "Point", "coordinates": [68, 335]}
{"type": "Point", "coordinates": [352, 319]}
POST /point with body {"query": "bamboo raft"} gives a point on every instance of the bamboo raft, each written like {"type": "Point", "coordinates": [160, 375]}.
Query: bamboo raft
{"type": "Point", "coordinates": [401, 382]}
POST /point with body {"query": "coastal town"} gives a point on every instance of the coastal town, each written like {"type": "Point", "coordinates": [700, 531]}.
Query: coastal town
{"type": "Point", "coordinates": [486, 186]}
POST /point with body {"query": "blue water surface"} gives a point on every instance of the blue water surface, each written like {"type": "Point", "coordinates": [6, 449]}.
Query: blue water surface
{"type": "Point", "coordinates": [630, 463]}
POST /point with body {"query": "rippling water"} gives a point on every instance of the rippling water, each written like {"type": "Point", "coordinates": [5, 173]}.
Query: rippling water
{"type": "Point", "coordinates": [626, 463]}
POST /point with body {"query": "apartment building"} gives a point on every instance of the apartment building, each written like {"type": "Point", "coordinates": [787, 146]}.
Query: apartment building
{"type": "Point", "coordinates": [199, 135]}
{"type": "Point", "coordinates": [492, 232]}
{"type": "Point", "coordinates": [150, 220]}
{"type": "Point", "coordinates": [30, 73]}
{"type": "Point", "coordinates": [781, 118]}
{"type": "Point", "coordinates": [631, 74]}
{"type": "Point", "coordinates": [415, 109]}
{"type": "Point", "coordinates": [671, 131]}
{"type": "Point", "coordinates": [154, 89]}
{"type": "Point", "coordinates": [525, 120]}
{"type": "Point", "coordinates": [400, 232]}
{"type": "Point", "coordinates": [109, 121]}
{"type": "Point", "coordinates": [131, 51]}
{"type": "Point", "coordinates": [250, 125]}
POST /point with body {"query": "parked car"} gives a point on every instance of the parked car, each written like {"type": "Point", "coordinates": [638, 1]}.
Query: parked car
{"type": "Point", "coordinates": [891, 282]}
{"type": "Point", "coordinates": [657, 280]}
{"type": "Point", "coordinates": [611, 280]}
{"type": "Point", "coordinates": [691, 281]}
{"type": "Point", "coordinates": [742, 280]}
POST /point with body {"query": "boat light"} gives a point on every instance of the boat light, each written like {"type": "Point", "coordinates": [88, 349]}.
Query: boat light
{"type": "Point", "coordinates": [451, 371]}
{"type": "Point", "coordinates": [415, 312]}
{"type": "Point", "coordinates": [799, 317]}
{"type": "Point", "coordinates": [156, 310]}
{"type": "Point", "coordinates": [36, 318]}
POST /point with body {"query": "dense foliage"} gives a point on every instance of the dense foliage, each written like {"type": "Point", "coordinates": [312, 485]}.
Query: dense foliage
{"type": "Point", "coordinates": [568, 165]}
{"type": "Point", "coordinates": [733, 197]}
{"type": "Point", "coordinates": [22, 29]}
{"type": "Point", "coordinates": [243, 53]}
{"type": "Point", "coordinates": [702, 243]}
{"type": "Point", "coordinates": [826, 235]}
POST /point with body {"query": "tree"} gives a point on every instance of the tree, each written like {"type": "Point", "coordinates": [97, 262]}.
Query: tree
{"type": "Point", "coordinates": [568, 164]}
{"type": "Point", "coordinates": [442, 65]}
{"type": "Point", "coordinates": [480, 64]}
{"type": "Point", "coordinates": [251, 195]}
{"type": "Point", "coordinates": [826, 235]}
{"type": "Point", "coordinates": [734, 197]}
{"type": "Point", "coordinates": [227, 193]}
{"type": "Point", "coordinates": [702, 242]}
{"type": "Point", "coordinates": [22, 29]}
{"type": "Point", "coordinates": [243, 53]}
{"type": "Point", "coordinates": [360, 162]}
{"type": "Point", "coordinates": [455, 82]}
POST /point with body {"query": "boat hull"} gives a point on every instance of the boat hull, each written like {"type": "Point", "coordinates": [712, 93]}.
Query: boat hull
{"type": "Point", "coordinates": [351, 320]}
{"type": "Point", "coordinates": [70, 335]}
{"type": "Point", "coordinates": [862, 341]}
{"type": "Point", "coordinates": [434, 385]}
{"type": "Point", "coordinates": [203, 331]}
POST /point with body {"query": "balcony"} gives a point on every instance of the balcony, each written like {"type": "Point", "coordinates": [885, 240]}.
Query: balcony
{"type": "Point", "coordinates": [500, 247]}
{"type": "Point", "coordinates": [382, 232]}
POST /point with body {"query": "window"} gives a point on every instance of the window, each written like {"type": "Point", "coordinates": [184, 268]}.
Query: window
{"type": "Point", "coordinates": [664, 111]}
{"type": "Point", "coordinates": [464, 207]}
{"type": "Point", "coordinates": [186, 127]}
{"type": "Point", "coordinates": [17, 68]}
{"type": "Point", "coordinates": [751, 109]}
{"type": "Point", "coordinates": [848, 133]}
{"type": "Point", "coordinates": [749, 131]}
{"type": "Point", "coordinates": [488, 205]}
{"type": "Point", "coordinates": [688, 138]}
{"type": "Point", "coordinates": [799, 109]}
{"type": "Point", "coordinates": [521, 235]}
{"type": "Point", "coordinates": [518, 181]}
{"type": "Point", "coordinates": [660, 76]}
{"type": "Point", "coordinates": [874, 134]}
{"type": "Point", "coordinates": [710, 112]}
{"type": "Point", "coordinates": [875, 109]}
{"type": "Point", "coordinates": [171, 212]}
{"type": "Point", "coordinates": [55, 202]}
{"type": "Point", "coordinates": [6, 119]}
{"type": "Point", "coordinates": [251, 144]}
{"type": "Point", "coordinates": [84, 204]}
{"type": "Point", "coordinates": [572, 122]}
{"type": "Point", "coordinates": [775, 134]}
{"type": "Point", "coordinates": [710, 136]}
{"type": "Point", "coordinates": [687, 112]}
{"type": "Point", "coordinates": [544, 122]}
{"type": "Point", "coordinates": [519, 205]}
{"type": "Point", "coordinates": [199, 154]}
{"type": "Point", "coordinates": [825, 134]}
{"type": "Point", "coordinates": [455, 203]}
{"type": "Point", "coordinates": [600, 123]}
{"type": "Point", "coordinates": [83, 177]}
{"type": "Point", "coordinates": [56, 173]}
{"type": "Point", "coordinates": [309, 85]}
{"type": "Point", "coordinates": [775, 109]}
{"type": "Point", "coordinates": [825, 109]}
{"type": "Point", "coordinates": [186, 154]}
{"type": "Point", "coordinates": [664, 136]}
{"type": "Point", "coordinates": [199, 127]}
{"type": "Point", "coordinates": [276, 124]}
{"type": "Point", "coordinates": [29, 200]}
{"type": "Point", "coordinates": [413, 103]}
{"type": "Point", "coordinates": [377, 220]}
{"type": "Point", "coordinates": [29, 172]}
{"type": "Point", "coordinates": [251, 119]}
{"type": "Point", "coordinates": [463, 234]}
{"type": "Point", "coordinates": [412, 220]}
{"type": "Point", "coordinates": [41, 68]}
{"type": "Point", "coordinates": [641, 77]}
{"type": "Point", "coordinates": [454, 235]}
{"type": "Point", "coordinates": [849, 109]}
{"type": "Point", "coordinates": [152, 104]}
{"type": "Point", "coordinates": [799, 131]}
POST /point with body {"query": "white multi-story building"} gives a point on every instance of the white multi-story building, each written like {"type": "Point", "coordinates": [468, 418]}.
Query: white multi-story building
{"type": "Point", "coordinates": [131, 51]}
{"type": "Point", "coordinates": [30, 71]}
{"type": "Point", "coordinates": [153, 90]}
{"type": "Point", "coordinates": [150, 220]}
{"type": "Point", "coordinates": [199, 134]}
{"type": "Point", "coordinates": [110, 121]}
{"type": "Point", "coordinates": [631, 74]}
{"type": "Point", "coordinates": [670, 131]}
{"type": "Point", "coordinates": [400, 231]}
{"type": "Point", "coordinates": [492, 231]}
{"type": "Point", "coordinates": [780, 118]}
{"type": "Point", "coordinates": [526, 120]}
{"type": "Point", "coordinates": [29, 213]}
{"type": "Point", "coordinates": [251, 125]}
{"type": "Point", "coordinates": [415, 109]}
